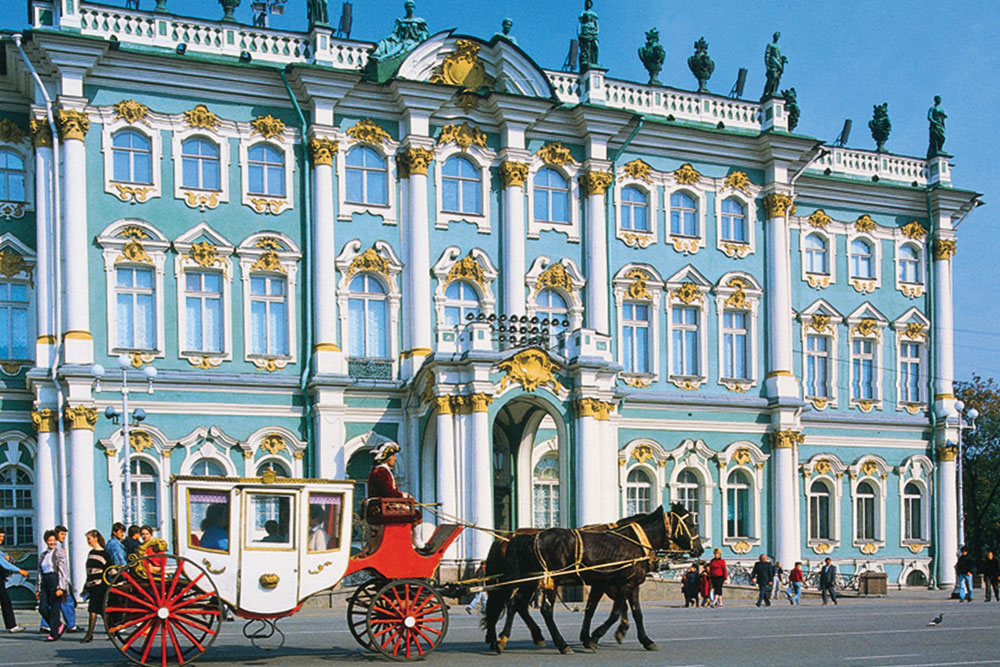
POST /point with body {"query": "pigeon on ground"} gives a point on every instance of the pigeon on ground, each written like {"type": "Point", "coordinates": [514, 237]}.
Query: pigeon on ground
{"type": "Point", "coordinates": [938, 620]}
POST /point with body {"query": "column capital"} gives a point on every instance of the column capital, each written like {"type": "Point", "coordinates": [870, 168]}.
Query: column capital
{"type": "Point", "coordinates": [595, 182]}
{"type": "Point", "coordinates": [481, 402]}
{"type": "Point", "coordinates": [777, 205]}
{"type": "Point", "coordinates": [322, 150]}
{"type": "Point", "coordinates": [44, 420]}
{"type": "Point", "coordinates": [786, 439]}
{"type": "Point", "coordinates": [513, 174]}
{"type": "Point", "coordinates": [948, 453]}
{"type": "Point", "coordinates": [41, 133]}
{"type": "Point", "coordinates": [72, 124]}
{"type": "Point", "coordinates": [80, 417]}
{"type": "Point", "coordinates": [461, 405]}
{"type": "Point", "coordinates": [443, 404]}
{"type": "Point", "coordinates": [943, 249]}
{"type": "Point", "coordinates": [593, 407]}
{"type": "Point", "coordinates": [415, 160]}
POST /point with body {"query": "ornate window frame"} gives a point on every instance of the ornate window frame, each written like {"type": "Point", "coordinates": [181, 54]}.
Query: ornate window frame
{"type": "Point", "coordinates": [12, 456]}
{"type": "Point", "coordinates": [821, 319]}
{"type": "Point", "coordinates": [875, 470]}
{"type": "Point", "coordinates": [271, 131]}
{"type": "Point", "coordinates": [918, 469]}
{"type": "Point", "coordinates": [639, 283]}
{"type": "Point", "coordinates": [750, 458]}
{"type": "Point", "coordinates": [148, 444]}
{"type": "Point", "coordinates": [911, 290]}
{"type": "Point", "coordinates": [17, 265]}
{"type": "Point", "coordinates": [737, 186]}
{"type": "Point", "coordinates": [278, 443]}
{"type": "Point", "coordinates": [639, 175]}
{"type": "Point", "coordinates": [15, 139]}
{"type": "Point", "coordinates": [688, 288]}
{"type": "Point", "coordinates": [207, 451]}
{"type": "Point", "coordinates": [556, 157]}
{"type": "Point", "coordinates": [220, 136]}
{"type": "Point", "coordinates": [688, 180]}
{"type": "Point", "coordinates": [481, 158]}
{"type": "Point", "coordinates": [213, 253]}
{"type": "Point", "coordinates": [134, 242]}
{"type": "Point", "coordinates": [828, 468]}
{"type": "Point", "coordinates": [271, 253]}
{"type": "Point", "coordinates": [539, 451]}
{"type": "Point", "coordinates": [739, 291]}
{"type": "Point", "coordinates": [865, 285]}
{"type": "Point", "coordinates": [867, 323]}
{"type": "Point", "coordinates": [475, 268]}
{"type": "Point", "coordinates": [212, 442]}
{"type": "Point", "coordinates": [818, 280]}
{"type": "Point", "coordinates": [649, 456]}
{"type": "Point", "coordinates": [149, 124]}
{"type": "Point", "coordinates": [695, 455]}
{"type": "Point", "coordinates": [367, 132]}
{"type": "Point", "coordinates": [912, 327]}
{"type": "Point", "coordinates": [564, 278]}
{"type": "Point", "coordinates": [379, 260]}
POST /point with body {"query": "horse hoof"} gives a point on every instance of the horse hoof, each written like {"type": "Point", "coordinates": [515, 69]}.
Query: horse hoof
{"type": "Point", "coordinates": [591, 646]}
{"type": "Point", "coordinates": [619, 637]}
{"type": "Point", "coordinates": [565, 650]}
{"type": "Point", "coordinates": [538, 642]}
{"type": "Point", "coordinates": [651, 646]}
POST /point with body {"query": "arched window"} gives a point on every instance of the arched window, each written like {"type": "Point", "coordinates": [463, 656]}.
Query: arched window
{"type": "Point", "coordinates": [863, 369]}
{"type": "Point", "coordinates": [635, 209]}
{"type": "Point", "coordinates": [203, 311]}
{"type": "Point", "coordinates": [135, 300]}
{"type": "Point", "coordinates": [638, 492]}
{"type": "Point", "coordinates": [819, 511]}
{"type": "Point", "coordinates": [367, 176]}
{"type": "Point", "coordinates": [862, 260]}
{"type": "Point", "coordinates": [13, 320]}
{"type": "Point", "coordinates": [461, 186]}
{"type": "Point", "coordinates": [16, 505]}
{"type": "Point", "coordinates": [545, 482]}
{"type": "Point", "coordinates": [550, 305]}
{"type": "Point", "coordinates": [734, 221]}
{"type": "Point", "coordinates": [266, 171]}
{"type": "Point", "coordinates": [909, 372]}
{"type": "Point", "coordinates": [133, 157]}
{"type": "Point", "coordinates": [635, 334]}
{"type": "Point", "coordinates": [864, 525]}
{"type": "Point", "coordinates": [551, 196]}
{"type": "Point", "coordinates": [11, 176]}
{"type": "Point", "coordinates": [200, 166]}
{"type": "Point", "coordinates": [268, 314]}
{"type": "Point", "coordinates": [461, 302]}
{"type": "Point", "coordinates": [683, 215]}
{"type": "Point", "coordinates": [909, 265]}
{"type": "Point", "coordinates": [739, 518]}
{"type": "Point", "coordinates": [689, 493]}
{"type": "Point", "coordinates": [817, 257]}
{"type": "Point", "coordinates": [208, 468]}
{"type": "Point", "coordinates": [145, 491]}
{"type": "Point", "coordinates": [368, 318]}
{"type": "Point", "coordinates": [270, 465]}
{"type": "Point", "coordinates": [913, 517]}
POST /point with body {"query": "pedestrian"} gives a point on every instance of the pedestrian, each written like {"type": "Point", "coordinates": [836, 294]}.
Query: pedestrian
{"type": "Point", "coordinates": [990, 572]}
{"type": "Point", "coordinates": [827, 581]}
{"type": "Point", "coordinates": [963, 568]}
{"type": "Point", "coordinates": [53, 582]}
{"type": "Point", "coordinates": [479, 601]}
{"type": "Point", "coordinates": [6, 567]}
{"type": "Point", "coordinates": [704, 584]}
{"type": "Point", "coordinates": [689, 586]}
{"type": "Point", "coordinates": [95, 587]}
{"type": "Point", "coordinates": [68, 601]}
{"type": "Point", "coordinates": [115, 547]}
{"type": "Point", "coordinates": [718, 573]}
{"type": "Point", "coordinates": [132, 543]}
{"type": "Point", "coordinates": [763, 574]}
{"type": "Point", "coordinates": [779, 574]}
{"type": "Point", "coordinates": [146, 533]}
{"type": "Point", "coordinates": [795, 580]}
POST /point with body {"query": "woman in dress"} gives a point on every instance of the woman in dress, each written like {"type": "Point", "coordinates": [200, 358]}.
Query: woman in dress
{"type": "Point", "coordinates": [97, 560]}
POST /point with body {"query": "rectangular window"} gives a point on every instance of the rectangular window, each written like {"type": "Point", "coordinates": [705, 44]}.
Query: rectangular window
{"type": "Point", "coordinates": [914, 525]}
{"type": "Point", "coordinates": [866, 517]}
{"type": "Point", "coordinates": [863, 369]}
{"type": "Point", "coordinates": [325, 512]}
{"type": "Point", "coordinates": [909, 372]}
{"type": "Point", "coordinates": [203, 311]}
{"type": "Point", "coordinates": [13, 320]}
{"type": "Point", "coordinates": [268, 315]}
{"type": "Point", "coordinates": [635, 332]}
{"type": "Point", "coordinates": [269, 521]}
{"type": "Point", "coordinates": [738, 512]}
{"type": "Point", "coordinates": [818, 366]}
{"type": "Point", "coordinates": [734, 345]}
{"type": "Point", "coordinates": [685, 341]}
{"type": "Point", "coordinates": [136, 311]}
{"type": "Point", "coordinates": [819, 517]}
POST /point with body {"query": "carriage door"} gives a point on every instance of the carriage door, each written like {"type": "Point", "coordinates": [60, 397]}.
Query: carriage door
{"type": "Point", "coordinates": [208, 528]}
{"type": "Point", "coordinates": [269, 568]}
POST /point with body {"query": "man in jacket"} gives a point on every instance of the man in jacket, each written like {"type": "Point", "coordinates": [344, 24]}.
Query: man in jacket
{"type": "Point", "coordinates": [6, 567]}
{"type": "Point", "coordinates": [53, 582]}
{"type": "Point", "coordinates": [963, 569]}
{"type": "Point", "coordinates": [381, 481]}
{"type": "Point", "coordinates": [991, 576]}
{"type": "Point", "coordinates": [827, 581]}
{"type": "Point", "coordinates": [115, 547]}
{"type": "Point", "coordinates": [763, 575]}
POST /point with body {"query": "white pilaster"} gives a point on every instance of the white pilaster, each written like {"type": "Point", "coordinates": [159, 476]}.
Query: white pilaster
{"type": "Point", "coordinates": [592, 468]}
{"type": "Point", "coordinates": [328, 356]}
{"type": "Point", "coordinates": [479, 465]}
{"type": "Point", "coordinates": [79, 345]}
{"type": "Point", "coordinates": [512, 175]}
{"type": "Point", "coordinates": [598, 286]}
{"type": "Point", "coordinates": [46, 500]}
{"type": "Point", "coordinates": [80, 468]}
{"type": "Point", "coordinates": [947, 517]}
{"type": "Point", "coordinates": [45, 343]}
{"type": "Point", "coordinates": [328, 432]}
{"type": "Point", "coordinates": [786, 547]}
{"type": "Point", "coordinates": [447, 479]}
{"type": "Point", "coordinates": [780, 378]}
{"type": "Point", "coordinates": [944, 321]}
{"type": "Point", "coordinates": [417, 271]}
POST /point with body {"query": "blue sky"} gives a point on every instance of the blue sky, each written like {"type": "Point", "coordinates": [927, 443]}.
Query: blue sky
{"type": "Point", "coordinates": [844, 57]}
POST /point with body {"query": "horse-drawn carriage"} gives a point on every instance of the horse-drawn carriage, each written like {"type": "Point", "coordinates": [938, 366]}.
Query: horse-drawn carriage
{"type": "Point", "coordinates": [262, 546]}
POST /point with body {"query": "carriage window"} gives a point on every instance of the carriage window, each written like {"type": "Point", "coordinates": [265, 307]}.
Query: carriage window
{"type": "Point", "coordinates": [269, 521]}
{"type": "Point", "coordinates": [208, 520]}
{"type": "Point", "coordinates": [325, 511]}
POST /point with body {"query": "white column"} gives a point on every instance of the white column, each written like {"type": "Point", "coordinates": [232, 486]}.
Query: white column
{"type": "Point", "coordinates": [79, 344]}
{"type": "Point", "coordinates": [512, 175]}
{"type": "Point", "coordinates": [947, 516]}
{"type": "Point", "coordinates": [595, 184]}
{"type": "Point", "coordinates": [611, 493]}
{"type": "Point", "coordinates": [326, 351]}
{"type": "Point", "coordinates": [786, 547]}
{"type": "Point", "coordinates": [479, 467]}
{"type": "Point", "coordinates": [417, 271]}
{"type": "Point", "coordinates": [780, 379]}
{"type": "Point", "coordinates": [592, 464]}
{"type": "Point", "coordinates": [944, 321]}
{"type": "Point", "coordinates": [45, 343]}
{"type": "Point", "coordinates": [328, 434]}
{"type": "Point", "coordinates": [80, 422]}
{"type": "Point", "coordinates": [446, 475]}
{"type": "Point", "coordinates": [46, 500]}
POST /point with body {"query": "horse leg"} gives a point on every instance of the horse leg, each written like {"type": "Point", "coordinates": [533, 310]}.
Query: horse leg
{"type": "Point", "coordinates": [640, 628]}
{"type": "Point", "coordinates": [623, 626]}
{"type": "Point", "coordinates": [548, 602]}
{"type": "Point", "coordinates": [496, 601]}
{"type": "Point", "coordinates": [595, 595]}
{"type": "Point", "coordinates": [618, 611]}
{"type": "Point", "coordinates": [522, 610]}
{"type": "Point", "coordinates": [511, 604]}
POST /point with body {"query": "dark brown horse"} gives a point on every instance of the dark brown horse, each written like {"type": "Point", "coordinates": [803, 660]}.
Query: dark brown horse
{"type": "Point", "coordinates": [612, 559]}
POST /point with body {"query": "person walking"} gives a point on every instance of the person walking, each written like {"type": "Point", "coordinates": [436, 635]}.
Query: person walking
{"type": "Point", "coordinates": [795, 580]}
{"type": "Point", "coordinates": [718, 573]}
{"type": "Point", "coordinates": [95, 587]}
{"type": "Point", "coordinates": [779, 574]}
{"type": "Point", "coordinates": [963, 569]}
{"type": "Point", "coordinates": [68, 601]}
{"type": "Point", "coordinates": [6, 567]}
{"type": "Point", "coordinates": [479, 601]}
{"type": "Point", "coordinates": [689, 586]}
{"type": "Point", "coordinates": [704, 584]}
{"type": "Point", "coordinates": [827, 581]}
{"type": "Point", "coordinates": [131, 542]}
{"type": "Point", "coordinates": [763, 575]}
{"type": "Point", "coordinates": [991, 576]}
{"type": "Point", "coordinates": [53, 582]}
{"type": "Point", "coordinates": [115, 547]}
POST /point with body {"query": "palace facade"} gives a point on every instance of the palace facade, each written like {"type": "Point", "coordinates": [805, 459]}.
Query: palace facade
{"type": "Point", "coordinates": [318, 253]}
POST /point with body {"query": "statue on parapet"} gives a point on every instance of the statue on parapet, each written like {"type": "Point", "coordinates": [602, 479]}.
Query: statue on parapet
{"type": "Point", "coordinates": [318, 13]}
{"type": "Point", "coordinates": [880, 125]}
{"type": "Point", "coordinates": [652, 55]}
{"type": "Point", "coordinates": [506, 26]}
{"type": "Point", "coordinates": [775, 63]}
{"type": "Point", "coordinates": [936, 116]}
{"type": "Point", "coordinates": [791, 107]}
{"type": "Point", "coordinates": [409, 31]}
{"type": "Point", "coordinates": [586, 32]}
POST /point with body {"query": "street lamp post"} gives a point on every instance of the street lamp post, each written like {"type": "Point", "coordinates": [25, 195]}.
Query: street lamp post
{"type": "Point", "coordinates": [138, 415]}
{"type": "Point", "coordinates": [972, 414]}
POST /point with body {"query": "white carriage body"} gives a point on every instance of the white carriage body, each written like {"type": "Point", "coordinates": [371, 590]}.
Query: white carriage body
{"type": "Point", "coordinates": [268, 545]}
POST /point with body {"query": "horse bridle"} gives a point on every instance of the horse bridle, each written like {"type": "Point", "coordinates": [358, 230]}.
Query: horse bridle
{"type": "Point", "coordinates": [681, 524]}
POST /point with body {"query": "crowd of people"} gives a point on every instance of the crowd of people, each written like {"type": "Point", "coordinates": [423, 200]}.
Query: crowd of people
{"type": "Point", "coordinates": [989, 568]}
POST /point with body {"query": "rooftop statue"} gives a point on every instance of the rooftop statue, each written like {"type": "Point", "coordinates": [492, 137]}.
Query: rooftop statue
{"type": "Point", "coordinates": [880, 125]}
{"type": "Point", "coordinates": [507, 25]}
{"type": "Point", "coordinates": [775, 63]}
{"type": "Point", "coordinates": [791, 107]}
{"type": "Point", "coordinates": [936, 116]}
{"type": "Point", "coordinates": [701, 65]}
{"type": "Point", "coordinates": [652, 55]}
{"type": "Point", "coordinates": [587, 34]}
{"type": "Point", "coordinates": [318, 13]}
{"type": "Point", "coordinates": [409, 31]}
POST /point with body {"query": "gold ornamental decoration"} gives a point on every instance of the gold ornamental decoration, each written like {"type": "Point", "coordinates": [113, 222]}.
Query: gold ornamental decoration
{"type": "Point", "coordinates": [944, 249]}
{"type": "Point", "coordinates": [688, 293]}
{"type": "Point", "coordinates": [481, 402]}
{"type": "Point", "coordinates": [555, 153]}
{"type": "Point", "coordinates": [267, 205]}
{"type": "Point", "coordinates": [741, 456]}
{"type": "Point", "coordinates": [268, 581]}
{"type": "Point", "coordinates": [595, 182]}
{"type": "Point", "coordinates": [132, 232]}
{"type": "Point", "coordinates": [205, 254]}
{"type": "Point", "coordinates": [637, 288]}
{"type": "Point", "coordinates": [267, 126]}
{"type": "Point", "coordinates": [322, 150]}
{"type": "Point", "coordinates": [201, 118]}
{"type": "Point", "coordinates": [269, 261]}
{"type": "Point", "coordinates": [823, 548]}
{"type": "Point", "coordinates": [463, 135]}
{"type": "Point", "coordinates": [41, 133]}
{"type": "Point", "coordinates": [10, 132]}
{"type": "Point", "coordinates": [366, 131]}
{"type": "Point", "coordinates": [466, 268]}
{"type": "Point", "coordinates": [12, 264]}
{"type": "Point", "coordinates": [637, 169]}
{"type": "Point", "coordinates": [72, 124]}
{"type": "Point", "coordinates": [462, 67]}
{"type": "Point", "coordinates": [948, 453]}
{"type": "Point", "coordinates": [531, 369]}
{"type": "Point", "coordinates": [44, 420]}
{"type": "Point", "coordinates": [636, 239]}
{"type": "Point", "coordinates": [822, 467]}
{"type": "Point", "coordinates": [819, 219]}
{"type": "Point", "coordinates": [201, 200]}
{"type": "Point", "coordinates": [915, 547]}
{"type": "Point", "coordinates": [869, 548]}
{"type": "Point", "coordinates": [643, 453]}
{"type": "Point", "coordinates": [819, 322]}
{"type": "Point", "coordinates": [636, 381]}
{"type": "Point", "coordinates": [131, 111]}
{"type": "Point", "coordinates": [865, 224]}
{"type": "Point", "coordinates": [140, 441]}
{"type": "Point", "coordinates": [273, 443]}
{"type": "Point", "coordinates": [869, 468]}
{"type": "Point", "coordinates": [914, 230]}
{"type": "Point", "coordinates": [867, 328]}
{"type": "Point", "coordinates": [777, 205]}
{"type": "Point", "coordinates": [593, 407]}
{"type": "Point", "coordinates": [915, 330]}
{"type": "Point", "coordinates": [741, 547]}
{"type": "Point", "coordinates": [738, 180]}
{"type": "Point", "coordinates": [134, 251]}
{"type": "Point", "coordinates": [137, 193]}
{"type": "Point", "coordinates": [415, 160]}
{"type": "Point", "coordinates": [369, 260]}
{"type": "Point", "coordinates": [687, 175]}
{"type": "Point", "coordinates": [738, 299]}
{"type": "Point", "coordinates": [268, 243]}
{"type": "Point", "coordinates": [513, 173]}
{"type": "Point", "coordinates": [80, 417]}
{"type": "Point", "coordinates": [786, 439]}
{"type": "Point", "coordinates": [556, 276]}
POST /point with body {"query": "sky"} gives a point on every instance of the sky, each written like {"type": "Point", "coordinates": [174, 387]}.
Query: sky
{"type": "Point", "coordinates": [843, 58]}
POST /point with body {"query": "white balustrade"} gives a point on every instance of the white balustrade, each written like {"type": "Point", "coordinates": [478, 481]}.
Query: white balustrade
{"type": "Point", "coordinates": [866, 164]}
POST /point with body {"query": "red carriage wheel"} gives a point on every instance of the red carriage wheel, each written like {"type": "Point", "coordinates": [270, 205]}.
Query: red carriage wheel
{"type": "Point", "coordinates": [162, 610]}
{"type": "Point", "coordinates": [357, 610]}
{"type": "Point", "coordinates": [407, 619]}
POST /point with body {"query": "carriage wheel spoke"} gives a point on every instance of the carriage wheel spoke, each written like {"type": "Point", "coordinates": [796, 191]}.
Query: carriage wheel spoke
{"type": "Point", "coordinates": [173, 641]}
{"type": "Point", "coordinates": [191, 638]}
{"type": "Point", "coordinates": [135, 621]}
{"type": "Point", "coordinates": [149, 640]}
{"type": "Point", "coordinates": [139, 587]}
{"type": "Point", "coordinates": [129, 596]}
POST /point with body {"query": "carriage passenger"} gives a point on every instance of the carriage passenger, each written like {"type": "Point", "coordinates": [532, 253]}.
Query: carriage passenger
{"type": "Point", "coordinates": [318, 540]}
{"type": "Point", "coordinates": [215, 527]}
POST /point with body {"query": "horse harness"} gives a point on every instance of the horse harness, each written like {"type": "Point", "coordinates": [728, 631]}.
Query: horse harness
{"type": "Point", "coordinates": [547, 581]}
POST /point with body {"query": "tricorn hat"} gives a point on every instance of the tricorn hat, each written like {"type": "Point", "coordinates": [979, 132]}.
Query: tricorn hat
{"type": "Point", "coordinates": [385, 450]}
